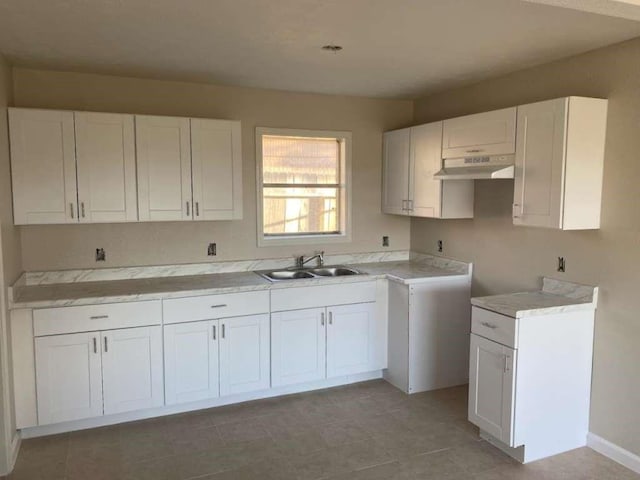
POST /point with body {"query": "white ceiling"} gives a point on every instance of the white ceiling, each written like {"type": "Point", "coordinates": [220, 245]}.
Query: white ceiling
{"type": "Point", "coordinates": [392, 48]}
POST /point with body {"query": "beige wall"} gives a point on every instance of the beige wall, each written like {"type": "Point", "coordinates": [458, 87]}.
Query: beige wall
{"type": "Point", "coordinates": [66, 246]}
{"type": "Point", "coordinates": [10, 269]}
{"type": "Point", "coordinates": [509, 258]}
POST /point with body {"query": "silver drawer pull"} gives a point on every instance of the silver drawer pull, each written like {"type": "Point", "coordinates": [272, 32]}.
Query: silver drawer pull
{"type": "Point", "coordinates": [214, 332]}
{"type": "Point", "coordinates": [95, 345]}
{"type": "Point", "coordinates": [489, 325]}
{"type": "Point", "coordinates": [98, 317]}
{"type": "Point", "coordinates": [106, 345]}
{"type": "Point", "coordinates": [475, 150]}
{"type": "Point", "coordinates": [220, 305]}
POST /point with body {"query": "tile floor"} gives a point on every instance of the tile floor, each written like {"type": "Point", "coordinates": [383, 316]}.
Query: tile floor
{"type": "Point", "coordinates": [365, 431]}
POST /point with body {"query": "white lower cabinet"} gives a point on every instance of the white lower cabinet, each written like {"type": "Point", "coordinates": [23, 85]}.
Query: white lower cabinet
{"type": "Point", "coordinates": [132, 376]}
{"type": "Point", "coordinates": [244, 354]}
{"type": "Point", "coordinates": [491, 387]}
{"type": "Point", "coordinates": [530, 381]}
{"type": "Point", "coordinates": [318, 343]}
{"type": "Point", "coordinates": [298, 344]}
{"type": "Point", "coordinates": [191, 369]}
{"type": "Point", "coordinates": [351, 339]}
{"type": "Point", "coordinates": [84, 375]}
{"type": "Point", "coordinates": [69, 377]}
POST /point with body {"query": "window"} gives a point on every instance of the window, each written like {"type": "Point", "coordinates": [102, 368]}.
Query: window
{"type": "Point", "coordinates": [302, 186]}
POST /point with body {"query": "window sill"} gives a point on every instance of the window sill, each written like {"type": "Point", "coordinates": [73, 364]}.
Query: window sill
{"type": "Point", "coordinates": [303, 240]}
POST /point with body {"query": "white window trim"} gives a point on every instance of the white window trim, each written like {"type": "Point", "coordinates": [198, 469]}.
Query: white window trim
{"type": "Point", "coordinates": [345, 235]}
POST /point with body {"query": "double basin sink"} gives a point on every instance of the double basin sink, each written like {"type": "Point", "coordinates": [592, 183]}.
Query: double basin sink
{"type": "Point", "coordinates": [307, 273]}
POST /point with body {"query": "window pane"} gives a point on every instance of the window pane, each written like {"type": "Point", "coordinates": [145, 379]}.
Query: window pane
{"type": "Point", "coordinates": [300, 210]}
{"type": "Point", "coordinates": [300, 160]}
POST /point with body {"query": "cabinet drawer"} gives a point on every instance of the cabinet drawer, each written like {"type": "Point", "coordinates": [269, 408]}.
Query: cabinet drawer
{"type": "Point", "coordinates": [87, 318]}
{"type": "Point", "coordinates": [298, 298]}
{"type": "Point", "coordinates": [208, 307]}
{"type": "Point", "coordinates": [494, 326]}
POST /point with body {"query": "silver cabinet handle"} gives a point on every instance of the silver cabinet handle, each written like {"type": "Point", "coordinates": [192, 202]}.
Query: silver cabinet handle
{"type": "Point", "coordinates": [98, 317]}
{"type": "Point", "coordinates": [220, 305]}
{"type": "Point", "coordinates": [71, 208]}
{"type": "Point", "coordinates": [95, 345]}
{"type": "Point", "coordinates": [214, 332]}
{"type": "Point", "coordinates": [223, 330]}
{"type": "Point", "coordinates": [517, 208]}
{"type": "Point", "coordinates": [410, 205]}
{"type": "Point", "coordinates": [489, 325]}
{"type": "Point", "coordinates": [82, 208]}
{"type": "Point", "coordinates": [188, 211]}
{"type": "Point", "coordinates": [475, 150]}
{"type": "Point", "coordinates": [106, 346]}
{"type": "Point", "coordinates": [506, 363]}
{"type": "Point", "coordinates": [197, 209]}
{"type": "Point", "coordinates": [322, 319]}
{"type": "Point", "coordinates": [404, 205]}
{"type": "Point", "coordinates": [330, 318]}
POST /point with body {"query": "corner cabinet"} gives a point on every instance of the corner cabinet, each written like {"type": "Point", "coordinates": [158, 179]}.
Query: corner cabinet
{"type": "Point", "coordinates": [559, 163]}
{"type": "Point", "coordinates": [411, 157]}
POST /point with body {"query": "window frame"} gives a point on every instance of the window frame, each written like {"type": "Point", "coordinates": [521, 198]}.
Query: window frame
{"type": "Point", "coordinates": [344, 197]}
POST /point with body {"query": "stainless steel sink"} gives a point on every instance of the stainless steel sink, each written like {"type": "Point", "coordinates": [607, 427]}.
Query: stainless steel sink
{"type": "Point", "coordinates": [302, 273]}
{"type": "Point", "coordinates": [334, 271]}
{"type": "Point", "coordinates": [287, 275]}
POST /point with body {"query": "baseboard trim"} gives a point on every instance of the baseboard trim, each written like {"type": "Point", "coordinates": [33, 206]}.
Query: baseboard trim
{"type": "Point", "coordinates": [16, 441]}
{"type": "Point", "coordinates": [614, 452]}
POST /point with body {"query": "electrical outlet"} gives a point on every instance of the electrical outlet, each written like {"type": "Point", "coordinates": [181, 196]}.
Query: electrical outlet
{"type": "Point", "coordinates": [440, 246]}
{"type": "Point", "coordinates": [212, 250]}
{"type": "Point", "coordinates": [561, 265]}
{"type": "Point", "coordinates": [101, 255]}
{"type": "Point", "coordinates": [385, 241]}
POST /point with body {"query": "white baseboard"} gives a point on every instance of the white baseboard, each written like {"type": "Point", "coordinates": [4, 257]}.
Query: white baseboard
{"type": "Point", "coordinates": [15, 449]}
{"type": "Point", "coordinates": [614, 452]}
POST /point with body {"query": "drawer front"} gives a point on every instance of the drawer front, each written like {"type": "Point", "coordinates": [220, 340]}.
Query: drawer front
{"type": "Point", "coordinates": [494, 326]}
{"type": "Point", "coordinates": [209, 307]}
{"type": "Point", "coordinates": [298, 298]}
{"type": "Point", "coordinates": [88, 318]}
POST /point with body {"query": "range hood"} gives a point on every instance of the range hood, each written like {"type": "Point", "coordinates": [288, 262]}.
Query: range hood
{"type": "Point", "coordinates": [476, 168]}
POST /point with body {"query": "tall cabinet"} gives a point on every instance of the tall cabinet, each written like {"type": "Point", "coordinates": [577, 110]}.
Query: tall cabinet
{"type": "Point", "coordinates": [411, 157]}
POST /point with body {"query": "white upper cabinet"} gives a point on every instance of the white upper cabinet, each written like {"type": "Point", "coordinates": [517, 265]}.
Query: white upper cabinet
{"type": "Point", "coordinates": [43, 166]}
{"type": "Point", "coordinates": [482, 134]}
{"type": "Point", "coordinates": [395, 171]}
{"type": "Point", "coordinates": [164, 168]}
{"type": "Point", "coordinates": [559, 163]}
{"type": "Point", "coordinates": [411, 157]}
{"type": "Point", "coordinates": [106, 162]}
{"type": "Point", "coordinates": [188, 169]}
{"type": "Point", "coordinates": [216, 169]}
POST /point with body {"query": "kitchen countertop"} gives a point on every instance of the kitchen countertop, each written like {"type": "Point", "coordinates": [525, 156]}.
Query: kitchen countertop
{"type": "Point", "coordinates": [556, 296]}
{"type": "Point", "coordinates": [172, 286]}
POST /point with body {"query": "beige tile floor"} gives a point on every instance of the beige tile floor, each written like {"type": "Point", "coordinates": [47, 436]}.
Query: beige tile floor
{"type": "Point", "coordinates": [365, 431]}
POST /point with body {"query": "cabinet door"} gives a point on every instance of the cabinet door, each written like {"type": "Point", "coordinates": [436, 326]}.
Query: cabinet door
{"type": "Point", "coordinates": [217, 169]}
{"type": "Point", "coordinates": [492, 387]}
{"type": "Point", "coordinates": [540, 149]}
{"type": "Point", "coordinates": [244, 354]}
{"type": "Point", "coordinates": [69, 377]}
{"type": "Point", "coordinates": [424, 190]}
{"type": "Point", "coordinates": [395, 171]}
{"type": "Point", "coordinates": [132, 369]}
{"type": "Point", "coordinates": [298, 344]}
{"type": "Point", "coordinates": [489, 133]}
{"type": "Point", "coordinates": [43, 166]}
{"type": "Point", "coordinates": [351, 339]}
{"type": "Point", "coordinates": [163, 146]}
{"type": "Point", "coordinates": [191, 361]}
{"type": "Point", "coordinates": [105, 151]}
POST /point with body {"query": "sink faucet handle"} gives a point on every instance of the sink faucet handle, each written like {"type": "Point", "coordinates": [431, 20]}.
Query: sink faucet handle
{"type": "Point", "coordinates": [300, 261]}
{"type": "Point", "coordinates": [321, 259]}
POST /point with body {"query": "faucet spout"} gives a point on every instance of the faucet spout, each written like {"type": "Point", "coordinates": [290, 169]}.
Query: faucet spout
{"type": "Point", "coordinates": [301, 261]}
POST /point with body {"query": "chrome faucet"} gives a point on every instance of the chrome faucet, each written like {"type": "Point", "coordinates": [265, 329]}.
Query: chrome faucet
{"type": "Point", "coordinates": [300, 261]}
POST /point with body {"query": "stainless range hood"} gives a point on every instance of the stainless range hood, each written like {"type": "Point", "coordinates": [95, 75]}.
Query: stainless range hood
{"type": "Point", "coordinates": [477, 168]}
